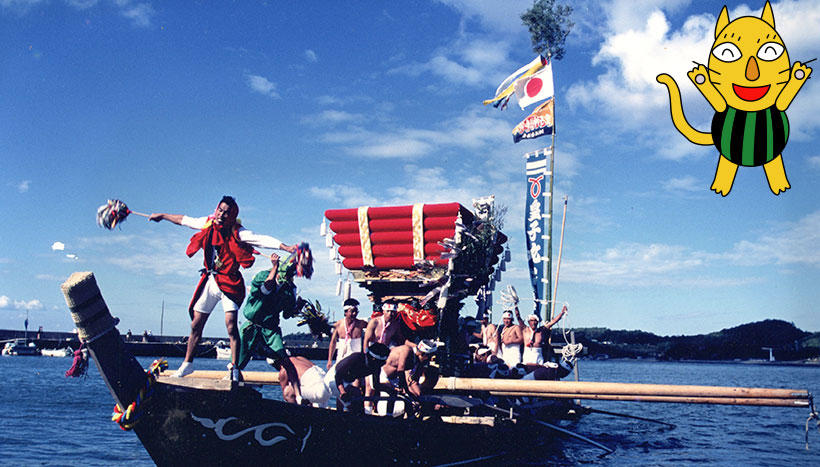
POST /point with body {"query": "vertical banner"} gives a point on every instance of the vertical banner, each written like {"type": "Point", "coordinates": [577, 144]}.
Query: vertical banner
{"type": "Point", "coordinates": [537, 224]}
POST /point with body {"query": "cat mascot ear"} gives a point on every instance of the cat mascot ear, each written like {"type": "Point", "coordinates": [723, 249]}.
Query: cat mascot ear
{"type": "Point", "coordinates": [723, 20]}
{"type": "Point", "coordinates": [768, 15]}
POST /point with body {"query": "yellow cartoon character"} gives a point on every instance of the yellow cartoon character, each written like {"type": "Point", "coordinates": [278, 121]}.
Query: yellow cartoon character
{"type": "Point", "coordinates": [750, 83]}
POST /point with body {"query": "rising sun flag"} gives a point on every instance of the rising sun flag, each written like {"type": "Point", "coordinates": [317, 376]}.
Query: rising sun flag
{"type": "Point", "coordinates": [507, 88]}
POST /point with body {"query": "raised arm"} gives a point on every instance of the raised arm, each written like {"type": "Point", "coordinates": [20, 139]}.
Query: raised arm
{"type": "Point", "coordinates": [553, 321]}
{"type": "Point", "coordinates": [175, 218]}
{"type": "Point", "coordinates": [521, 324]}
{"type": "Point", "coordinates": [263, 241]}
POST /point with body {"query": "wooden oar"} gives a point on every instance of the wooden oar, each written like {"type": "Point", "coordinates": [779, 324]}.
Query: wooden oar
{"type": "Point", "coordinates": [588, 410]}
{"type": "Point", "coordinates": [553, 427]}
{"type": "Point", "coordinates": [585, 390]}
{"type": "Point", "coordinates": [549, 388]}
{"type": "Point", "coordinates": [771, 402]}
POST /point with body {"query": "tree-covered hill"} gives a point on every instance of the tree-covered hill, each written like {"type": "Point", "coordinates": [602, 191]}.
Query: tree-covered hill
{"type": "Point", "coordinates": [743, 342]}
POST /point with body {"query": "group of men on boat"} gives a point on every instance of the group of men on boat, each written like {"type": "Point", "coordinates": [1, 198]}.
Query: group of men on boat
{"type": "Point", "coordinates": [376, 361]}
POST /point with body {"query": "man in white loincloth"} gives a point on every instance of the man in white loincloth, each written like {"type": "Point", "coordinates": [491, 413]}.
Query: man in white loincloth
{"type": "Point", "coordinates": [347, 333]}
{"type": "Point", "coordinates": [511, 340]}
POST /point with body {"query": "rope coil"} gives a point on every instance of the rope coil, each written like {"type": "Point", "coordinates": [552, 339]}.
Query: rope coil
{"type": "Point", "coordinates": [129, 416]}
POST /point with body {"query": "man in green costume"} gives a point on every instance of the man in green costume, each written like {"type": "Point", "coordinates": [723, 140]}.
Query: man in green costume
{"type": "Point", "coordinates": [272, 292]}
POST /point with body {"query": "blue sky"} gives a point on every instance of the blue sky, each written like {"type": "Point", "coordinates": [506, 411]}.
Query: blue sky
{"type": "Point", "coordinates": [296, 108]}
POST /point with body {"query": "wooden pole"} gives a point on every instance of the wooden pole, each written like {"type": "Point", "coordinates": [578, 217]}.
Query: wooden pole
{"type": "Point", "coordinates": [771, 402]}
{"type": "Point", "coordinates": [558, 264]}
{"type": "Point", "coordinates": [588, 387]}
{"type": "Point", "coordinates": [250, 377]}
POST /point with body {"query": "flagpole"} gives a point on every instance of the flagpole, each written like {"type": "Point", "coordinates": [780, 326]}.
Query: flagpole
{"type": "Point", "coordinates": [550, 310]}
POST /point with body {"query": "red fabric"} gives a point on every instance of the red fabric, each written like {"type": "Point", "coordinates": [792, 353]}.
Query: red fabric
{"type": "Point", "coordinates": [387, 225]}
{"type": "Point", "coordinates": [390, 263]}
{"type": "Point", "coordinates": [233, 254]}
{"type": "Point", "coordinates": [392, 212]}
{"type": "Point", "coordinates": [416, 318]}
{"type": "Point", "coordinates": [383, 238]}
{"type": "Point", "coordinates": [355, 251]}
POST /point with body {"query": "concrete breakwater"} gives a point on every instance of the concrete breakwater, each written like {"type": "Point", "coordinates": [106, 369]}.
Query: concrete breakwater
{"type": "Point", "coordinates": [146, 345]}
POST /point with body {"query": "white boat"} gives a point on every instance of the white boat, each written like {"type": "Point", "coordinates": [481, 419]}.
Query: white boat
{"type": "Point", "coordinates": [223, 350]}
{"type": "Point", "coordinates": [20, 347]}
{"type": "Point", "coordinates": [64, 352]}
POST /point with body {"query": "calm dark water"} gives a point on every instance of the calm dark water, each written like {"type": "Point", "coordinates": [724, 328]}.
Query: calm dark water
{"type": "Point", "coordinates": [48, 419]}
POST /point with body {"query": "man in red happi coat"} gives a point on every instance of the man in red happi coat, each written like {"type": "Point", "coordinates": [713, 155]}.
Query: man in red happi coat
{"type": "Point", "coordinates": [227, 246]}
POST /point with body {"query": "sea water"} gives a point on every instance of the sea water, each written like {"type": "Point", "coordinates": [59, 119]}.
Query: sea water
{"type": "Point", "coordinates": [48, 419]}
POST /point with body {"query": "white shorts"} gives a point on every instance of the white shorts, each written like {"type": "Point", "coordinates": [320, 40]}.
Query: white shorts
{"type": "Point", "coordinates": [313, 388]}
{"type": "Point", "coordinates": [210, 296]}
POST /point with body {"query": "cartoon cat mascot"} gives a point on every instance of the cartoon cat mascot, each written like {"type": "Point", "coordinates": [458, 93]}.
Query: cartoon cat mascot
{"type": "Point", "coordinates": [750, 84]}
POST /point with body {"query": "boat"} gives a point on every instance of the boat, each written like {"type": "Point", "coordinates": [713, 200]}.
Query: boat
{"type": "Point", "coordinates": [223, 350]}
{"type": "Point", "coordinates": [210, 420]}
{"type": "Point", "coordinates": [426, 259]}
{"type": "Point", "coordinates": [62, 352]}
{"type": "Point", "coordinates": [20, 347]}
{"type": "Point", "coordinates": [226, 422]}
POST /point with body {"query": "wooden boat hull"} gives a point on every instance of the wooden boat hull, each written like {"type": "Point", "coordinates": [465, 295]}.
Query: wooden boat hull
{"type": "Point", "coordinates": [223, 422]}
{"type": "Point", "coordinates": [238, 426]}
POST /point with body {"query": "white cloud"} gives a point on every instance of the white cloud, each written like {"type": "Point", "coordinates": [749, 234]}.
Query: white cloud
{"type": "Point", "coordinates": [9, 304]}
{"type": "Point", "coordinates": [788, 244]}
{"type": "Point", "coordinates": [469, 61]}
{"type": "Point", "coordinates": [72, 256]}
{"type": "Point", "coordinates": [152, 253]}
{"type": "Point", "coordinates": [58, 246]}
{"type": "Point", "coordinates": [635, 264]}
{"type": "Point", "coordinates": [20, 6]}
{"type": "Point", "coordinates": [262, 85]}
{"type": "Point", "coordinates": [494, 15]}
{"type": "Point", "coordinates": [683, 184]}
{"type": "Point", "coordinates": [311, 56]}
{"type": "Point", "coordinates": [333, 117]}
{"type": "Point", "coordinates": [140, 14]}
{"type": "Point", "coordinates": [473, 130]}
{"type": "Point", "coordinates": [814, 162]}
{"type": "Point", "coordinates": [23, 186]}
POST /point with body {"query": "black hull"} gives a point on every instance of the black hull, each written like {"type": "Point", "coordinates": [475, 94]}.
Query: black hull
{"type": "Point", "coordinates": [231, 424]}
{"type": "Point", "coordinates": [240, 427]}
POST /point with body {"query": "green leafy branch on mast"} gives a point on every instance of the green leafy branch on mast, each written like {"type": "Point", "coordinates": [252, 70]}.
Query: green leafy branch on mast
{"type": "Point", "coordinates": [549, 25]}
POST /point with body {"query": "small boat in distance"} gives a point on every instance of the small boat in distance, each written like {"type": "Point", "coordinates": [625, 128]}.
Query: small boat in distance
{"type": "Point", "coordinates": [20, 347]}
{"type": "Point", "coordinates": [223, 350]}
{"type": "Point", "coordinates": [64, 352]}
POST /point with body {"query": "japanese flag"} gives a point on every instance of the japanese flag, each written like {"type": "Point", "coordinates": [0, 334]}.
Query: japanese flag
{"type": "Point", "coordinates": [535, 88]}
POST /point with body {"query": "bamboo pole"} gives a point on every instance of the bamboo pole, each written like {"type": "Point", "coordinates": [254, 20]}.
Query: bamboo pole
{"type": "Point", "coordinates": [251, 377]}
{"type": "Point", "coordinates": [587, 388]}
{"type": "Point", "coordinates": [579, 390]}
{"type": "Point", "coordinates": [771, 402]}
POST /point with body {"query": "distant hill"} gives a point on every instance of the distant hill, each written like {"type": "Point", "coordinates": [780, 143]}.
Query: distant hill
{"type": "Point", "coordinates": [741, 342]}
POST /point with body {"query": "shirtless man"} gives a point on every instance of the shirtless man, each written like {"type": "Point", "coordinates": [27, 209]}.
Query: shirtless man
{"type": "Point", "coordinates": [344, 379]}
{"type": "Point", "coordinates": [488, 334]}
{"type": "Point", "coordinates": [534, 336]}
{"type": "Point", "coordinates": [405, 366]}
{"type": "Point", "coordinates": [551, 371]}
{"type": "Point", "coordinates": [347, 332]}
{"type": "Point", "coordinates": [511, 340]}
{"type": "Point", "coordinates": [385, 328]}
{"type": "Point", "coordinates": [310, 383]}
